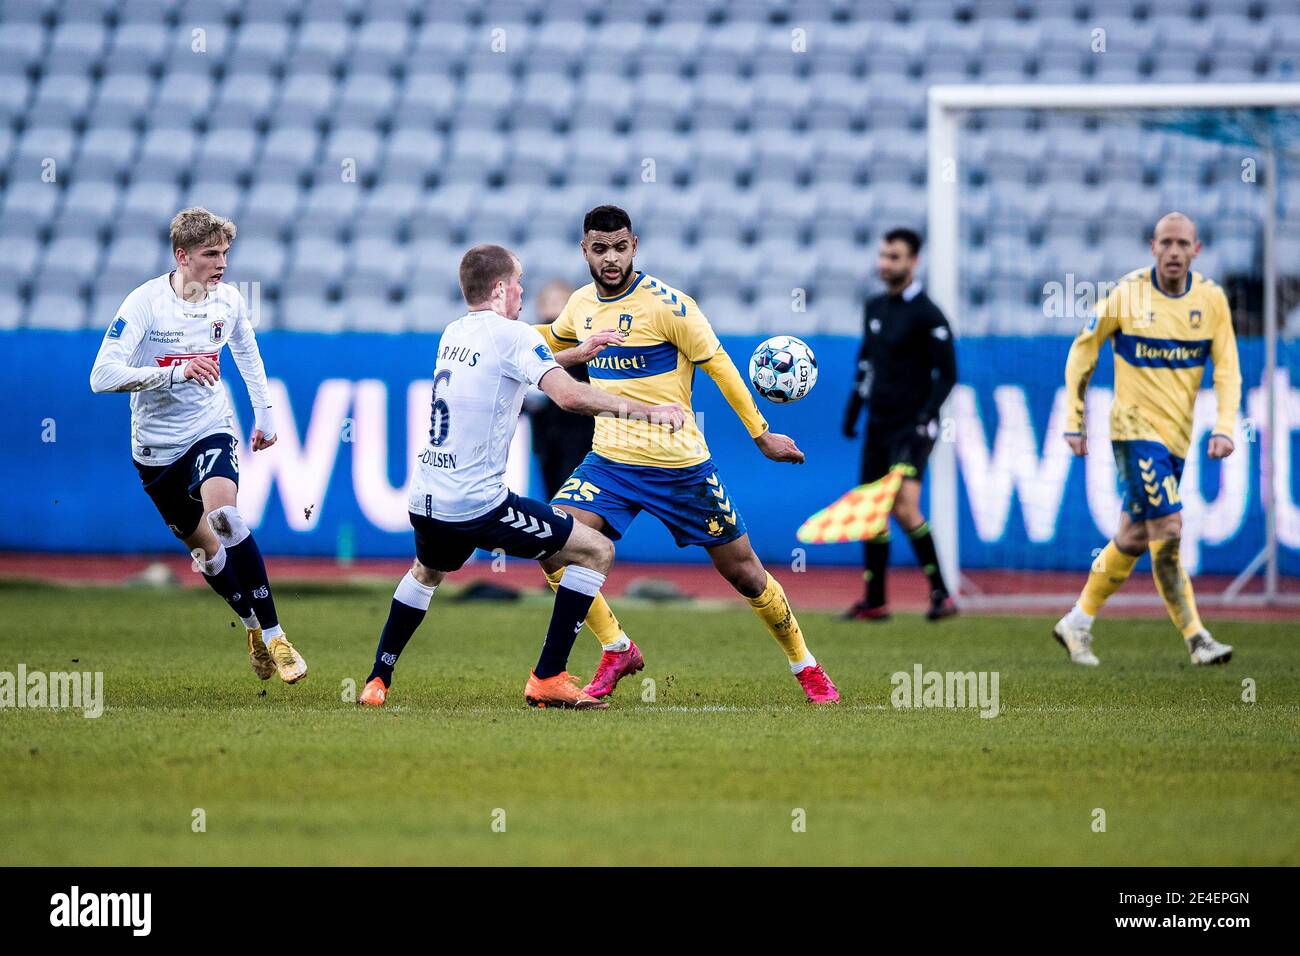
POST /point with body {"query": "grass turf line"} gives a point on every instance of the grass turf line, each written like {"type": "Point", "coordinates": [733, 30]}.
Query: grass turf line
{"type": "Point", "coordinates": [712, 771]}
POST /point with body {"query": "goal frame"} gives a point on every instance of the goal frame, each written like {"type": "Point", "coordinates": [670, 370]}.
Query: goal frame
{"type": "Point", "coordinates": [946, 105]}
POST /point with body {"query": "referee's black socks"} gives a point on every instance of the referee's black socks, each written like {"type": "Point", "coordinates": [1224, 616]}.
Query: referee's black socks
{"type": "Point", "coordinates": [877, 561]}
{"type": "Point", "coordinates": [926, 556]}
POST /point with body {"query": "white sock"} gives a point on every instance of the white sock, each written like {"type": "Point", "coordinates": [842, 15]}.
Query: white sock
{"type": "Point", "coordinates": [217, 563]}
{"type": "Point", "coordinates": [799, 665]}
{"type": "Point", "coordinates": [251, 622]}
{"type": "Point", "coordinates": [414, 594]}
{"type": "Point", "coordinates": [583, 580]}
{"type": "Point", "coordinates": [1078, 618]}
{"type": "Point", "coordinates": [619, 646]}
{"type": "Point", "coordinates": [271, 633]}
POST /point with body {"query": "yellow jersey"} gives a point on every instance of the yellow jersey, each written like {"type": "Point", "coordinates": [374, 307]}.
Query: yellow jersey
{"type": "Point", "coordinates": [667, 337]}
{"type": "Point", "coordinates": [1161, 344]}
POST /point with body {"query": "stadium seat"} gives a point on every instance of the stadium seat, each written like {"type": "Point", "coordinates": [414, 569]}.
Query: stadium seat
{"type": "Point", "coordinates": [257, 259]}
{"type": "Point", "coordinates": [18, 257]}
{"type": "Point", "coordinates": [11, 310]}
{"type": "Point", "coordinates": [305, 98]}
{"type": "Point", "coordinates": [269, 206]}
{"type": "Point", "coordinates": [754, 145]}
{"type": "Point", "coordinates": [307, 311]}
{"type": "Point", "coordinates": [22, 45]}
{"type": "Point", "coordinates": [55, 309]}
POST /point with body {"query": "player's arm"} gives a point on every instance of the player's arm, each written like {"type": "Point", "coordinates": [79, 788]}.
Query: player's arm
{"type": "Point", "coordinates": [582, 399]}
{"type": "Point", "coordinates": [695, 338]}
{"type": "Point", "coordinates": [943, 366]}
{"type": "Point", "coordinates": [1079, 366]}
{"type": "Point", "coordinates": [530, 360]}
{"type": "Point", "coordinates": [588, 350]}
{"type": "Point", "coordinates": [248, 359]}
{"type": "Point", "coordinates": [113, 371]}
{"type": "Point", "coordinates": [561, 338]}
{"type": "Point", "coordinates": [1227, 380]}
{"type": "Point", "coordinates": [726, 376]}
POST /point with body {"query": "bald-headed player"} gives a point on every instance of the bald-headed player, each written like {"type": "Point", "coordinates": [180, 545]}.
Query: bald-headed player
{"type": "Point", "coordinates": [1165, 323]}
{"type": "Point", "coordinates": [635, 466]}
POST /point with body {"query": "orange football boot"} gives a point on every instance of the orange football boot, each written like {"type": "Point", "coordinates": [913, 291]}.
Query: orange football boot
{"type": "Point", "coordinates": [374, 693]}
{"type": "Point", "coordinates": [562, 690]}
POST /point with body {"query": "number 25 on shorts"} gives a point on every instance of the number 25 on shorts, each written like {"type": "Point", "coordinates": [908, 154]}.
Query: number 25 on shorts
{"type": "Point", "coordinates": [575, 489]}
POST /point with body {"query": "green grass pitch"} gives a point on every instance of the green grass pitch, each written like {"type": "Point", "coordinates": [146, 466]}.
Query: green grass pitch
{"type": "Point", "coordinates": [457, 770]}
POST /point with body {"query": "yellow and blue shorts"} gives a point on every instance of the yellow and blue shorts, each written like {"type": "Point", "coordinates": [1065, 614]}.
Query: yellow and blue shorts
{"type": "Point", "coordinates": [692, 502]}
{"type": "Point", "coordinates": [1148, 479]}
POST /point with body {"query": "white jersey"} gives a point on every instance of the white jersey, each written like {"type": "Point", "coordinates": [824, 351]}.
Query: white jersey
{"type": "Point", "coordinates": [153, 336]}
{"type": "Point", "coordinates": [486, 363]}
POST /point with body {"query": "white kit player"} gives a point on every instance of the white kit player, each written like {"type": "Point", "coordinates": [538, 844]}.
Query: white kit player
{"type": "Point", "coordinates": [459, 501]}
{"type": "Point", "coordinates": [164, 347]}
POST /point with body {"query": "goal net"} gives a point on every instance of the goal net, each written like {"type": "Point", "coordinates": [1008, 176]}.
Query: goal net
{"type": "Point", "coordinates": [1040, 199]}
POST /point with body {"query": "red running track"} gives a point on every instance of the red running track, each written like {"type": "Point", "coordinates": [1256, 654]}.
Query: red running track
{"type": "Point", "coordinates": [819, 588]}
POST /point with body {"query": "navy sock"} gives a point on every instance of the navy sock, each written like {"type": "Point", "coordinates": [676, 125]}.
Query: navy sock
{"type": "Point", "coordinates": [398, 631]}
{"type": "Point", "coordinates": [246, 559]}
{"type": "Point", "coordinates": [410, 603]}
{"type": "Point", "coordinates": [227, 585]}
{"type": "Point", "coordinates": [571, 607]}
{"type": "Point", "coordinates": [221, 577]}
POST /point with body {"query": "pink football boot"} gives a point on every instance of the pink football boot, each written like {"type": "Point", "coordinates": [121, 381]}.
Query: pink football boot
{"type": "Point", "coordinates": [614, 666]}
{"type": "Point", "coordinates": [817, 685]}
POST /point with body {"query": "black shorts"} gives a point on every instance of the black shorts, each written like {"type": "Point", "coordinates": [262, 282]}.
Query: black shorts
{"type": "Point", "coordinates": [174, 488]}
{"type": "Point", "coordinates": [521, 527]}
{"type": "Point", "coordinates": [888, 445]}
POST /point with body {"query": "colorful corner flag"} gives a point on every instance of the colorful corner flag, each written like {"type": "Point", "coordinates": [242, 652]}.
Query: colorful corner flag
{"type": "Point", "coordinates": [859, 515]}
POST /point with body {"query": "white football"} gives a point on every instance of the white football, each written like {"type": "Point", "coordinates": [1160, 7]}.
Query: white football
{"type": "Point", "coordinates": [783, 369]}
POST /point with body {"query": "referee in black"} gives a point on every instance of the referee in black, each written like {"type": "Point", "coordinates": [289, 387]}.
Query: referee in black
{"type": "Point", "coordinates": [906, 368]}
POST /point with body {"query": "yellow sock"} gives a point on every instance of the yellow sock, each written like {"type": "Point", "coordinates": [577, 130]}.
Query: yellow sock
{"type": "Point", "coordinates": [774, 611]}
{"type": "Point", "coordinates": [1175, 586]}
{"type": "Point", "coordinates": [1108, 574]}
{"type": "Point", "coordinates": [600, 618]}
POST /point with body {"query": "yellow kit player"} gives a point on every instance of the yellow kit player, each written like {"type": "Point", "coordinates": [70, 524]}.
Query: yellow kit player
{"type": "Point", "coordinates": [1164, 324]}
{"type": "Point", "coordinates": [636, 466]}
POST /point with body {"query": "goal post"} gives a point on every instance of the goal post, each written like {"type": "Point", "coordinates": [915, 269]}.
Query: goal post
{"type": "Point", "coordinates": [948, 105]}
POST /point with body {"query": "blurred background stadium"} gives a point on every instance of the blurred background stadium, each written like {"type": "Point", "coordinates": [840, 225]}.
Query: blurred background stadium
{"type": "Point", "coordinates": [762, 148]}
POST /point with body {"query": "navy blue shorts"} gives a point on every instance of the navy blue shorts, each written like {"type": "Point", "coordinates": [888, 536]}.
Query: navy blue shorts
{"type": "Point", "coordinates": [521, 527]}
{"type": "Point", "coordinates": [1148, 479]}
{"type": "Point", "coordinates": [691, 502]}
{"type": "Point", "coordinates": [174, 488]}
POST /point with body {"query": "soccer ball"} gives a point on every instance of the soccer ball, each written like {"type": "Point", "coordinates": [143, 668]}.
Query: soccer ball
{"type": "Point", "coordinates": [783, 369]}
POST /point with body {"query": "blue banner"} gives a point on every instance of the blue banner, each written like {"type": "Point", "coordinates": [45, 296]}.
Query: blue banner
{"type": "Point", "coordinates": [352, 410]}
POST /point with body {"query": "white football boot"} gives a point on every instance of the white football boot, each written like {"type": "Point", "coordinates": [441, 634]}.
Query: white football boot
{"type": "Point", "coordinates": [1206, 650]}
{"type": "Point", "coordinates": [1076, 640]}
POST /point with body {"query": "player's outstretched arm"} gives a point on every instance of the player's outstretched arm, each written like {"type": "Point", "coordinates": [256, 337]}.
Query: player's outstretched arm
{"type": "Point", "coordinates": [727, 377]}
{"type": "Point", "coordinates": [724, 373]}
{"type": "Point", "coordinates": [575, 396]}
{"type": "Point", "coordinates": [588, 350]}
{"type": "Point", "coordinates": [248, 359]}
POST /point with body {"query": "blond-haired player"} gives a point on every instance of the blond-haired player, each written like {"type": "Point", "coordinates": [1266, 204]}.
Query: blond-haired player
{"type": "Point", "coordinates": [1164, 322]}
{"type": "Point", "coordinates": [164, 347]}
